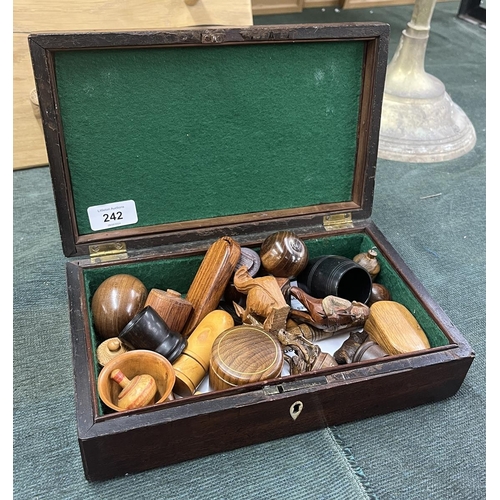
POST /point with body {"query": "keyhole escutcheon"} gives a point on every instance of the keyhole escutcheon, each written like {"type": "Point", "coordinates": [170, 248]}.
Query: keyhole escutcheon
{"type": "Point", "coordinates": [296, 409]}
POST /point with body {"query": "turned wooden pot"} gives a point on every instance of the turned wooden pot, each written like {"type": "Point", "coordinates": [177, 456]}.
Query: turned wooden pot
{"type": "Point", "coordinates": [244, 354]}
{"type": "Point", "coordinates": [338, 276]}
{"type": "Point", "coordinates": [132, 364]}
{"type": "Point", "coordinates": [283, 254]}
{"type": "Point", "coordinates": [147, 330]}
{"type": "Point", "coordinates": [116, 301]}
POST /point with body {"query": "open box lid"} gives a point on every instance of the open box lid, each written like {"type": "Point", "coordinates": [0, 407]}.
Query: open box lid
{"type": "Point", "coordinates": [163, 137]}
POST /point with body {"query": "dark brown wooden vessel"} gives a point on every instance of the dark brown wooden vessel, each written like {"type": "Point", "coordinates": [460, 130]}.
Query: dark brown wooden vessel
{"type": "Point", "coordinates": [167, 254]}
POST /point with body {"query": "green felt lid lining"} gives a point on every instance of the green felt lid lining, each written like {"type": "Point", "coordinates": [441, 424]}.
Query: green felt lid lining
{"type": "Point", "coordinates": [193, 133]}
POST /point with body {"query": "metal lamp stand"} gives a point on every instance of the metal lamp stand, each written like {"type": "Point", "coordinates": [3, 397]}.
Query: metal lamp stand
{"type": "Point", "coordinates": [420, 122]}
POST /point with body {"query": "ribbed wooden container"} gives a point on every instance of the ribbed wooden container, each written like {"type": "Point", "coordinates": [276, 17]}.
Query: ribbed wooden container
{"type": "Point", "coordinates": [244, 354]}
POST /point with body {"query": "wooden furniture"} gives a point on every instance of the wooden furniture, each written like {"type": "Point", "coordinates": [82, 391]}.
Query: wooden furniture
{"type": "Point", "coordinates": [32, 16]}
{"type": "Point", "coordinates": [473, 11]}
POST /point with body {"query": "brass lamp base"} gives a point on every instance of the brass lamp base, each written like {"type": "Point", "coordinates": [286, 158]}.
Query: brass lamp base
{"type": "Point", "coordinates": [421, 130]}
{"type": "Point", "coordinates": [420, 123]}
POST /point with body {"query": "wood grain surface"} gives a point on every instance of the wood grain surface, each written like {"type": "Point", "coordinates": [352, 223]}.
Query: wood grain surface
{"type": "Point", "coordinates": [211, 280]}
{"type": "Point", "coordinates": [394, 328]}
{"type": "Point", "coordinates": [94, 15]}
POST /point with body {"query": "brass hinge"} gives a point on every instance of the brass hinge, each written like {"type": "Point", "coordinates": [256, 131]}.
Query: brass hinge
{"type": "Point", "coordinates": [337, 221]}
{"type": "Point", "coordinates": [107, 252]}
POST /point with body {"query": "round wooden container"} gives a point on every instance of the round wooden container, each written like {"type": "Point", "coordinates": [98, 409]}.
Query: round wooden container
{"type": "Point", "coordinates": [244, 354]}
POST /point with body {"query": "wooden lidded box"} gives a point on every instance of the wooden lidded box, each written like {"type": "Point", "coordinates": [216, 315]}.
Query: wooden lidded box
{"type": "Point", "coordinates": [212, 132]}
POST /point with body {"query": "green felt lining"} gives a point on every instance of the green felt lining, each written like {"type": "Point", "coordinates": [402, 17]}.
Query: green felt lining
{"type": "Point", "coordinates": [178, 273]}
{"type": "Point", "coordinates": [199, 132]}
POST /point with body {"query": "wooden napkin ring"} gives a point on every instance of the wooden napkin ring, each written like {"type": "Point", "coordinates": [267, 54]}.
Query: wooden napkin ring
{"type": "Point", "coordinates": [242, 355]}
{"type": "Point", "coordinates": [171, 307]}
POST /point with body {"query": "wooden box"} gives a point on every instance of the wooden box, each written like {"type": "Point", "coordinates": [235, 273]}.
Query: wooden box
{"type": "Point", "coordinates": [214, 132]}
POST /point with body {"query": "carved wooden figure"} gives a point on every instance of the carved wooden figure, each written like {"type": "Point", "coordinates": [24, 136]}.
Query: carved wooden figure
{"type": "Point", "coordinates": [309, 332]}
{"type": "Point", "coordinates": [307, 355]}
{"type": "Point", "coordinates": [330, 313]}
{"type": "Point", "coordinates": [265, 299]}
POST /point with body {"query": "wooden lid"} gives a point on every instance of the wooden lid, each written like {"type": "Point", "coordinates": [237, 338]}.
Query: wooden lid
{"type": "Point", "coordinates": [152, 121]}
{"type": "Point", "coordinates": [244, 354]}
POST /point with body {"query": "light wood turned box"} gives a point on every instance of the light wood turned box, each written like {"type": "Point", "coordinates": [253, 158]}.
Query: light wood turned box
{"type": "Point", "coordinates": [214, 132]}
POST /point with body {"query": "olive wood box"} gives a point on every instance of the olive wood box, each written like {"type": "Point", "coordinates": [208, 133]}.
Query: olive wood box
{"type": "Point", "coordinates": [213, 132]}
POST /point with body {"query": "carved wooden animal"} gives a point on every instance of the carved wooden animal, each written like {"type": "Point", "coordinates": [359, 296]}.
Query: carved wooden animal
{"type": "Point", "coordinates": [265, 299]}
{"type": "Point", "coordinates": [331, 313]}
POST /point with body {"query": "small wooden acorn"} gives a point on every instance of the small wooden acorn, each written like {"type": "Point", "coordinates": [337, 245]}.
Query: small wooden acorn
{"type": "Point", "coordinates": [136, 393]}
{"type": "Point", "coordinates": [369, 261]}
{"type": "Point", "coordinates": [283, 254]}
{"type": "Point", "coordinates": [109, 349]}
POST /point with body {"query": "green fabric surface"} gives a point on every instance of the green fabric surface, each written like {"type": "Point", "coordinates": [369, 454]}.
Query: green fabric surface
{"type": "Point", "coordinates": [180, 131]}
{"type": "Point", "coordinates": [435, 451]}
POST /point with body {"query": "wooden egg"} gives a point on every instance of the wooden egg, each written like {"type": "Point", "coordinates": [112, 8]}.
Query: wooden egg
{"type": "Point", "coordinates": [116, 301]}
{"type": "Point", "coordinates": [394, 328]}
{"type": "Point", "coordinates": [283, 254]}
{"type": "Point", "coordinates": [242, 355]}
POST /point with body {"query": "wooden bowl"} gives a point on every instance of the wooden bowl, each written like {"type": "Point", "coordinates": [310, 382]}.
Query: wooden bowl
{"type": "Point", "coordinates": [133, 363]}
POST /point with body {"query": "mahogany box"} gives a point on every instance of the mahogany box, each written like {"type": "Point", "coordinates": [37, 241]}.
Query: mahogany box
{"type": "Point", "coordinates": [211, 132]}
